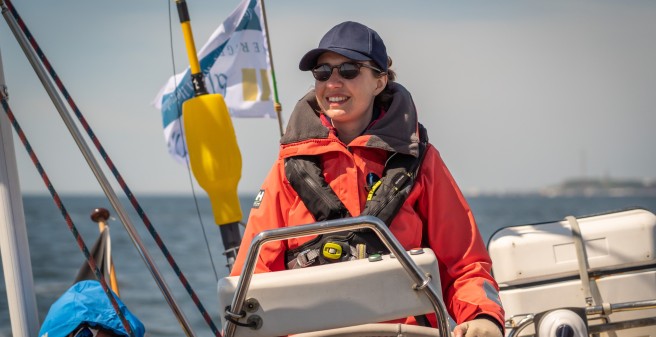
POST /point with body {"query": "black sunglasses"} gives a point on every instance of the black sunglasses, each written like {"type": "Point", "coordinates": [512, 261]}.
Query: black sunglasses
{"type": "Point", "coordinates": [347, 70]}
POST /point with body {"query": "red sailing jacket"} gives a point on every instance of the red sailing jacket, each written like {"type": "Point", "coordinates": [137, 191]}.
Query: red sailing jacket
{"type": "Point", "coordinates": [435, 213]}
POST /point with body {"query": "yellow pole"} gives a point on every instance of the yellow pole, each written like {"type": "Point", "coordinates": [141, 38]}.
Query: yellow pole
{"type": "Point", "coordinates": [214, 154]}
{"type": "Point", "coordinates": [191, 47]}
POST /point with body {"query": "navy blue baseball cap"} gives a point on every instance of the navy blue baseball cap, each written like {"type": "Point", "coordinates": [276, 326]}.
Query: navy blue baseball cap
{"type": "Point", "coordinates": [352, 40]}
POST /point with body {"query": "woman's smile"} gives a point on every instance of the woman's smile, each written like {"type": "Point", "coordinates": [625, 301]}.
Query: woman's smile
{"type": "Point", "coordinates": [336, 101]}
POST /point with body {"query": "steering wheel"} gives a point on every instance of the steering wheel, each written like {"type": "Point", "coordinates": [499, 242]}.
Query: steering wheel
{"type": "Point", "coordinates": [376, 329]}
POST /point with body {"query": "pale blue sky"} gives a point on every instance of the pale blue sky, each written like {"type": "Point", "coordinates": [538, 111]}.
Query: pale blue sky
{"type": "Point", "coordinates": [516, 95]}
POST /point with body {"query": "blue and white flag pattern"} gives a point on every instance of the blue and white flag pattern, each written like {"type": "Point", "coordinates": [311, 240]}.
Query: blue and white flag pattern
{"type": "Point", "coordinates": [235, 64]}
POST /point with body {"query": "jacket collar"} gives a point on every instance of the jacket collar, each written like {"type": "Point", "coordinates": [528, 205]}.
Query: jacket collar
{"type": "Point", "coordinates": [395, 131]}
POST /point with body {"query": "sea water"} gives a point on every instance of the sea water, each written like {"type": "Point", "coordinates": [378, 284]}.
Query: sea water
{"type": "Point", "coordinates": [186, 227]}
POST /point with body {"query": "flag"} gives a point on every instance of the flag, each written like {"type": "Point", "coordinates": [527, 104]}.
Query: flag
{"type": "Point", "coordinates": [235, 63]}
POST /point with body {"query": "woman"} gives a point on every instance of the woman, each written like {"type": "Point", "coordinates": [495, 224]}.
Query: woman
{"type": "Point", "coordinates": [348, 129]}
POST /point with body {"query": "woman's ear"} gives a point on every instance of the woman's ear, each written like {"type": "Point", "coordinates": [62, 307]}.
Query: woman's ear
{"type": "Point", "coordinates": [381, 83]}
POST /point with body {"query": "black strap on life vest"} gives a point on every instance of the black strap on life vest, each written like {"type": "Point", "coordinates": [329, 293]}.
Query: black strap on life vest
{"type": "Point", "coordinates": [384, 200]}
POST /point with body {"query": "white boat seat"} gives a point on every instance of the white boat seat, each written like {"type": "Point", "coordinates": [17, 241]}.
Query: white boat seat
{"type": "Point", "coordinates": [540, 268]}
{"type": "Point", "coordinates": [334, 296]}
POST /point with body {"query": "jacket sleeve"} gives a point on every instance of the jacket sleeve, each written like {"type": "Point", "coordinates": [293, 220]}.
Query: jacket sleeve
{"type": "Point", "coordinates": [468, 287]}
{"type": "Point", "coordinates": [266, 213]}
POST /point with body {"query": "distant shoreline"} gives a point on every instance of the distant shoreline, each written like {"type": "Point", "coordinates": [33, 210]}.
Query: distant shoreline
{"type": "Point", "coordinates": [609, 187]}
{"type": "Point", "coordinates": [574, 187]}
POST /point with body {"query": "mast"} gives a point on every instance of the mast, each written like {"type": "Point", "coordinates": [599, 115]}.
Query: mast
{"type": "Point", "coordinates": [14, 246]}
{"type": "Point", "coordinates": [276, 104]}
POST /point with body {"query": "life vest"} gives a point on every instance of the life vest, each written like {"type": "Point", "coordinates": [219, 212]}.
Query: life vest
{"type": "Point", "coordinates": [385, 198]}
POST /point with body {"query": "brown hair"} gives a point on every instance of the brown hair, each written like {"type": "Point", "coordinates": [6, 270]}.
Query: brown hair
{"type": "Point", "coordinates": [385, 97]}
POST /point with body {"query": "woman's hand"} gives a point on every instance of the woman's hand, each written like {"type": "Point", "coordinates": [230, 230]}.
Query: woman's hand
{"type": "Point", "coordinates": [478, 327]}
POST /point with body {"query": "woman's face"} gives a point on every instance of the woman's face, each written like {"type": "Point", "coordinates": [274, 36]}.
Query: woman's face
{"type": "Point", "coordinates": [347, 101]}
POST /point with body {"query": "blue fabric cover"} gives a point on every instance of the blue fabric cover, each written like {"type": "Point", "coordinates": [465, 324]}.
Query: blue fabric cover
{"type": "Point", "coordinates": [86, 302]}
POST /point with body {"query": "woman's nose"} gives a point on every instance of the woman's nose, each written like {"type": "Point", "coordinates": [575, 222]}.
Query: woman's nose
{"type": "Point", "coordinates": [334, 79]}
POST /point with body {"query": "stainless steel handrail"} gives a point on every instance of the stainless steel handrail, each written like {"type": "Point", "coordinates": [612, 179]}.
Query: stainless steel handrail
{"type": "Point", "coordinates": [516, 329]}
{"type": "Point", "coordinates": [619, 307]}
{"type": "Point", "coordinates": [600, 310]}
{"type": "Point", "coordinates": [332, 226]}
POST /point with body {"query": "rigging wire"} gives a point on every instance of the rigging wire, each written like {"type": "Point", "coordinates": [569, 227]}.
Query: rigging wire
{"type": "Point", "coordinates": [46, 63]}
{"type": "Point", "coordinates": [189, 175]}
{"type": "Point", "coordinates": [71, 226]}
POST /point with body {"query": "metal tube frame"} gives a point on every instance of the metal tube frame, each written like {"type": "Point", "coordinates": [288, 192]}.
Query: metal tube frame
{"type": "Point", "coordinates": [93, 164]}
{"type": "Point", "coordinates": [619, 307]}
{"type": "Point", "coordinates": [332, 226]}
{"type": "Point", "coordinates": [599, 310]}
